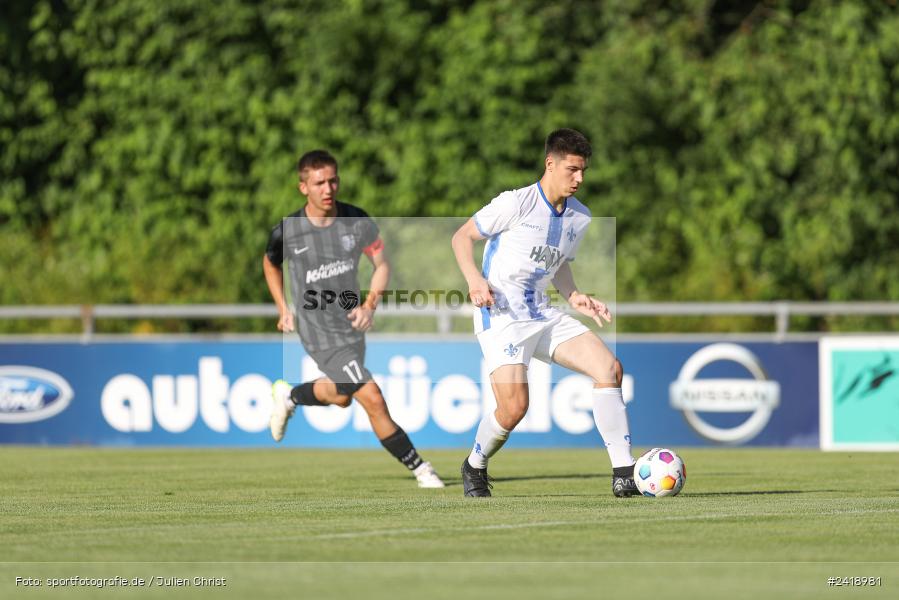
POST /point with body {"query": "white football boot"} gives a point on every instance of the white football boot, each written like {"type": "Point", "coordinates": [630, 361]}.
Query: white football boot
{"type": "Point", "coordinates": [427, 476]}
{"type": "Point", "coordinates": [282, 409]}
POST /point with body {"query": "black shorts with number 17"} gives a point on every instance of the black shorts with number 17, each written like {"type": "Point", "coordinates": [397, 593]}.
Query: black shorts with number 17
{"type": "Point", "coordinates": [344, 365]}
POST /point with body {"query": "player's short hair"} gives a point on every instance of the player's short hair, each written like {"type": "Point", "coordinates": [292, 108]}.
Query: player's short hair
{"type": "Point", "coordinates": [315, 159]}
{"type": "Point", "coordinates": [568, 141]}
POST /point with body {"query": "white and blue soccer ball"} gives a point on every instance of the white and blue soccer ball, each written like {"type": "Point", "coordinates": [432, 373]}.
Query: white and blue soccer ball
{"type": "Point", "coordinates": [660, 472]}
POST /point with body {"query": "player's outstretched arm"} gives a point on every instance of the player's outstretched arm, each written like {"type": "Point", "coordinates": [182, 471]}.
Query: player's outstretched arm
{"type": "Point", "coordinates": [274, 277]}
{"type": "Point", "coordinates": [584, 304]}
{"type": "Point", "coordinates": [463, 247]}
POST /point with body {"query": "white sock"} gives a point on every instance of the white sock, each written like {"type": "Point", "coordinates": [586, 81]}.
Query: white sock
{"type": "Point", "coordinates": [489, 439]}
{"type": "Point", "coordinates": [610, 416]}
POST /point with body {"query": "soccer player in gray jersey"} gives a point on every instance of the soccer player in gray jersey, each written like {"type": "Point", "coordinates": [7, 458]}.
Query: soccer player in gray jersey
{"type": "Point", "coordinates": [323, 242]}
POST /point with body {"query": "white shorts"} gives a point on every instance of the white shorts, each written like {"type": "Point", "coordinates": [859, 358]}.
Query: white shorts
{"type": "Point", "coordinates": [518, 341]}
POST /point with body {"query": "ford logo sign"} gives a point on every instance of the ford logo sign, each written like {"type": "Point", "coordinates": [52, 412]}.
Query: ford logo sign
{"type": "Point", "coordinates": [29, 394]}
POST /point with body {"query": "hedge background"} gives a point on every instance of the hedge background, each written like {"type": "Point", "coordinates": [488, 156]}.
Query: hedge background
{"type": "Point", "coordinates": [749, 150]}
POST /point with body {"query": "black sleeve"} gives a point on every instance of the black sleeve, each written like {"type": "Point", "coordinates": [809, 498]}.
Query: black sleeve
{"type": "Point", "coordinates": [275, 249]}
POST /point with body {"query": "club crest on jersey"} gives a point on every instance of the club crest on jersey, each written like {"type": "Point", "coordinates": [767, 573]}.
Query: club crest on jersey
{"type": "Point", "coordinates": [549, 256]}
{"type": "Point", "coordinates": [571, 234]}
{"type": "Point", "coordinates": [348, 242]}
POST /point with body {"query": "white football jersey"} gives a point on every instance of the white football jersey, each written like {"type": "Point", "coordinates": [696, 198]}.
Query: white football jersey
{"type": "Point", "coordinates": [527, 243]}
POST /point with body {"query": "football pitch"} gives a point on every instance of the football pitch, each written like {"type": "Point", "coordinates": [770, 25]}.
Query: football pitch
{"type": "Point", "coordinates": [292, 523]}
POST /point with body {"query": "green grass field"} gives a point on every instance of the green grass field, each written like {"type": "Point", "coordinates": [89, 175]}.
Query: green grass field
{"type": "Point", "coordinates": [315, 524]}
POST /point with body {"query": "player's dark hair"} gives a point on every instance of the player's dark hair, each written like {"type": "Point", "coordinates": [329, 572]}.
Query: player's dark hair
{"type": "Point", "coordinates": [568, 141]}
{"type": "Point", "coordinates": [315, 159]}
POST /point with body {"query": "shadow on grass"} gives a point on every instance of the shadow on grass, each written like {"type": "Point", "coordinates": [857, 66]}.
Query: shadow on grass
{"type": "Point", "coordinates": [456, 481]}
{"type": "Point", "coordinates": [551, 477]}
{"type": "Point", "coordinates": [532, 496]}
{"type": "Point", "coordinates": [758, 493]}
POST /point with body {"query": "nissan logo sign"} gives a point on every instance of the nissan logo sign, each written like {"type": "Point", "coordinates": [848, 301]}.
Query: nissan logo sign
{"type": "Point", "coordinates": [758, 396]}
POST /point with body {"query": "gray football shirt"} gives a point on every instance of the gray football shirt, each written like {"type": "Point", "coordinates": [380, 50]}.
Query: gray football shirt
{"type": "Point", "coordinates": [323, 265]}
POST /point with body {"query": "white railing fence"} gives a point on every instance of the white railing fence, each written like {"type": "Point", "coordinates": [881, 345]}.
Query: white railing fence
{"type": "Point", "coordinates": [781, 311]}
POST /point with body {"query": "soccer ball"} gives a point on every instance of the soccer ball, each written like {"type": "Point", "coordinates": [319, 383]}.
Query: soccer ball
{"type": "Point", "coordinates": [660, 472]}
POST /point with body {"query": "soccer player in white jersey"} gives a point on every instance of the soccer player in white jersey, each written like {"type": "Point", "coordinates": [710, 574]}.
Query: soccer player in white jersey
{"type": "Point", "coordinates": [533, 234]}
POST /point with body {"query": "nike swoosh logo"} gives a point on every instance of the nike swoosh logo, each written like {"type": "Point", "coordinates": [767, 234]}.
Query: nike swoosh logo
{"type": "Point", "coordinates": [300, 250]}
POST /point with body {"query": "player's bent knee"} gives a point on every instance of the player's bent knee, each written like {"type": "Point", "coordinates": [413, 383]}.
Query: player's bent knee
{"type": "Point", "coordinates": [342, 400]}
{"type": "Point", "coordinates": [512, 410]}
{"type": "Point", "coordinates": [606, 372]}
{"type": "Point", "coordinates": [517, 413]}
{"type": "Point", "coordinates": [376, 408]}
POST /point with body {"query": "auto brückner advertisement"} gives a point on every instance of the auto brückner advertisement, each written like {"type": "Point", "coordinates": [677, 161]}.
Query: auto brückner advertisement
{"type": "Point", "coordinates": [203, 393]}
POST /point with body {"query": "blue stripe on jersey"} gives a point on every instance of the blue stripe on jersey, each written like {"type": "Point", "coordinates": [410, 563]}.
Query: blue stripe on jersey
{"type": "Point", "coordinates": [554, 232]}
{"type": "Point", "coordinates": [530, 293]}
{"type": "Point", "coordinates": [492, 246]}
{"type": "Point", "coordinates": [552, 209]}
{"type": "Point", "coordinates": [478, 225]}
